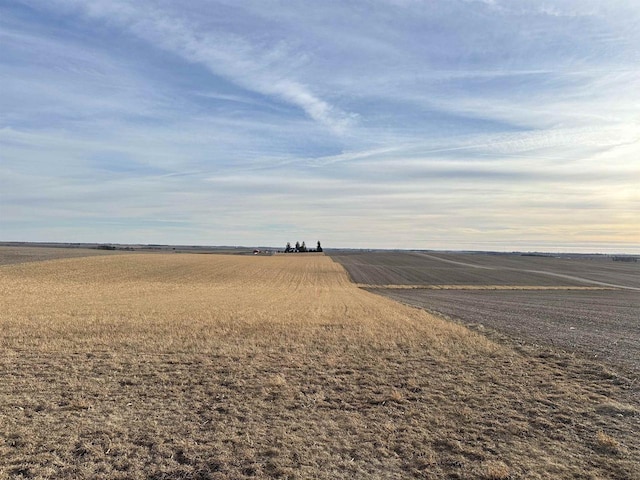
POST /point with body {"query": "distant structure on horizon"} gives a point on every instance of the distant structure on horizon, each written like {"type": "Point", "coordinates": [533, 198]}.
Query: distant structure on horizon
{"type": "Point", "coordinates": [625, 259]}
{"type": "Point", "coordinates": [302, 248]}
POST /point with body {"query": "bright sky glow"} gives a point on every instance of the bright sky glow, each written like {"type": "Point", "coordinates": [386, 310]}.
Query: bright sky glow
{"type": "Point", "coordinates": [443, 124]}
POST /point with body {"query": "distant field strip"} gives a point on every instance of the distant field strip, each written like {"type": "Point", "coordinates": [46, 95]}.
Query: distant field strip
{"type": "Point", "coordinates": [479, 287]}
{"type": "Point", "coordinates": [418, 268]}
{"type": "Point", "coordinates": [522, 269]}
{"type": "Point", "coordinates": [597, 270]}
{"type": "Point", "coordinates": [10, 255]}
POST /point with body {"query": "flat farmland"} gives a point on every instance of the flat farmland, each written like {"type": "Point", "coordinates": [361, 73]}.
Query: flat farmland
{"type": "Point", "coordinates": [154, 366]}
{"type": "Point", "coordinates": [601, 324]}
{"type": "Point", "coordinates": [10, 255]}
{"type": "Point", "coordinates": [582, 303]}
{"type": "Point", "coordinates": [419, 268]}
{"type": "Point", "coordinates": [594, 269]}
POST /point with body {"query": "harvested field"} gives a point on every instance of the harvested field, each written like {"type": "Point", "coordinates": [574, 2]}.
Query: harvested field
{"type": "Point", "coordinates": [195, 367]}
{"type": "Point", "coordinates": [595, 268]}
{"type": "Point", "coordinates": [14, 255]}
{"type": "Point", "coordinates": [586, 304]}
{"type": "Point", "coordinates": [418, 268]}
{"type": "Point", "coordinates": [601, 324]}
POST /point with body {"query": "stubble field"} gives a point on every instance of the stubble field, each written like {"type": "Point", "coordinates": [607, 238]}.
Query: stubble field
{"type": "Point", "coordinates": [190, 366]}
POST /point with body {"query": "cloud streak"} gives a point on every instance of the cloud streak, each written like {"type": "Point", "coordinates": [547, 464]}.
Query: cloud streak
{"type": "Point", "coordinates": [447, 124]}
{"type": "Point", "coordinates": [255, 67]}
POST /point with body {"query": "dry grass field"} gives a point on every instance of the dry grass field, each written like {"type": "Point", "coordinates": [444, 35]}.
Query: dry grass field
{"type": "Point", "coordinates": [229, 367]}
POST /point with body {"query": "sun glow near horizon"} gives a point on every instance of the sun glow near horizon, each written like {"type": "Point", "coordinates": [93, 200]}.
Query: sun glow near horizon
{"type": "Point", "coordinates": [386, 124]}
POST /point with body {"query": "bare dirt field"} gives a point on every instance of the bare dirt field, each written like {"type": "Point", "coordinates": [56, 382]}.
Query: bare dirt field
{"type": "Point", "coordinates": [601, 324]}
{"type": "Point", "coordinates": [594, 269]}
{"type": "Point", "coordinates": [586, 304]}
{"type": "Point", "coordinates": [11, 255]}
{"type": "Point", "coordinates": [419, 268]}
{"type": "Point", "coordinates": [220, 367]}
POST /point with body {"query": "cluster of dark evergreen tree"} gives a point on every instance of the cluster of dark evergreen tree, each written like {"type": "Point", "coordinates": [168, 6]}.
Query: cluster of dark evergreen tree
{"type": "Point", "coordinates": [301, 248]}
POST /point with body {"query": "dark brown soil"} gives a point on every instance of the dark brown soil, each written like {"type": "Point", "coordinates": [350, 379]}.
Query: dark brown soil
{"type": "Point", "coordinates": [11, 255]}
{"type": "Point", "coordinates": [595, 268]}
{"type": "Point", "coordinates": [420, 268]}
{"type": "Point", "coordinates": [601, 324]}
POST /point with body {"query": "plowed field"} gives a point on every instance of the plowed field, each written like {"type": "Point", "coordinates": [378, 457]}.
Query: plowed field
{"type": "Point", "coordinates": [196, 367]}
{"type": "Point", "coordinates": [586, 304]}
{"type": "Point", "coordinates": [590, 268]}
{"type": "Point", "coordinates": [418, 268]}
{"type": "Point", "coordinates": [600, 324]}
{"type": "Point", "coordinates": [15, 255]}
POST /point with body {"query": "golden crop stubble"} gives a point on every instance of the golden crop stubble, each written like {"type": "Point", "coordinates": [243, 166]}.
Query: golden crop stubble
{"type": "Point", "coordinates": [281, 364]}
{"type": "Point", "coordinates": [185, 302]}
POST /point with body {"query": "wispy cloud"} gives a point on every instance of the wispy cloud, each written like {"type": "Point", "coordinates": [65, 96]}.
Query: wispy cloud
{"type": "Point", "coordinates": [390, 123]}
{"type": "Point", "coordinates": [263, 68]}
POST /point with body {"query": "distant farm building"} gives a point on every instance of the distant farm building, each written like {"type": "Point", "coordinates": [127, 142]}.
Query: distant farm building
{"type": "Point", "coordinates": [625, 259]}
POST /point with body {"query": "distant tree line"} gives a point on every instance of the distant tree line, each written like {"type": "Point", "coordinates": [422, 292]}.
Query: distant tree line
{"type": "Point", "coordinates": [301, 248]}
{"type": "Point", "coordinates": [625, 259]}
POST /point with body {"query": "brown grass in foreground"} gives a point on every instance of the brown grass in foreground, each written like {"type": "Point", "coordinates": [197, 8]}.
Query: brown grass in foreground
{"type": "Point", "coordinates": [189, 366]}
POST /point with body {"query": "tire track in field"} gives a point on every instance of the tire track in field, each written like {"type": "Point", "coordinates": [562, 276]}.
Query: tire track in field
{"type": "Point", "coordinates": [541, 272]}
{"type": "Point", "coordinates": [454, 262]}
{"type": "Point", "coordinates": [580, 279]}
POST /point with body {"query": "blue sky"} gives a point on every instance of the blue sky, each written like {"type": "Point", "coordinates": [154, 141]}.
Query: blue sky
{"type": "Point", "coordinates": [443, 124]}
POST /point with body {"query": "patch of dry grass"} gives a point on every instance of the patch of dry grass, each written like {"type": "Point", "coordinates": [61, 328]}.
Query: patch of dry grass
{"type": "Point", "coordinates": [189, 366]}
{"type": "Point", "coordinates": [607, 443]}
{"type": "Point", "coordinates": [496, 470]}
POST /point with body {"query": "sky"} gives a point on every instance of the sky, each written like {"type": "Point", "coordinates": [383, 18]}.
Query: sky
{"type": "Point", "coordinates": [429, 124]}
